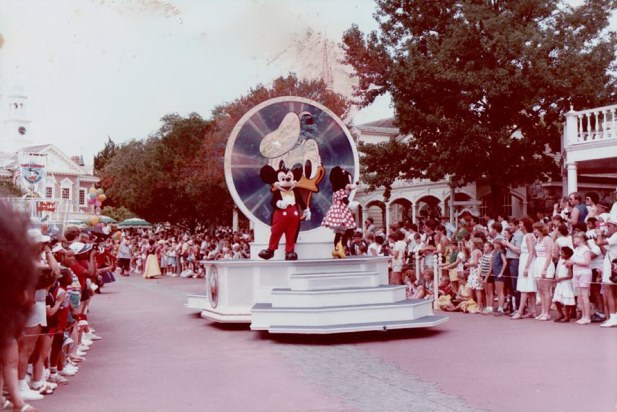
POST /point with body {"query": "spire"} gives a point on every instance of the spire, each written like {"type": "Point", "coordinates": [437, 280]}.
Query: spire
{"type": "Point", "coordinates": [326, 68]}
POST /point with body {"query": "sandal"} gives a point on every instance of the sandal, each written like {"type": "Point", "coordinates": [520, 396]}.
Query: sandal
{"type": "Point", "coordinates": [27, 408]}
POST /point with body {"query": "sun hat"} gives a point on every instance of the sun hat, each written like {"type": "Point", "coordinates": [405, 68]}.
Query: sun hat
{"type": "Point", "coordinates": [79, 247]}
{"type": "Point", "coordinates": [58, 248]}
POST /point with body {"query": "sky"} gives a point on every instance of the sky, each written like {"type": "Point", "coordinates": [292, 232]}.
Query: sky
{"type": "Point", "coordinates": [95, 69]}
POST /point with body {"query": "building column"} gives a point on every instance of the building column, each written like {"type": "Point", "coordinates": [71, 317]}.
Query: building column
{"type": "Point", "coordinates": [235, 219]}
{"type": "Point", "coordinates": [413, 212]}
{"type": "Point", "coordinates": [387, 219]}
{"type": "Point", "coordinates": [572, 178]}
{"type": "Point", "coordinates": [452, 198]}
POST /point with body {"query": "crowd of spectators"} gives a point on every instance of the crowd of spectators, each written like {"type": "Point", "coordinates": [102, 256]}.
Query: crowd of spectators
{"type": "Point", "coordinates": [560, 267]}
{"type": "Point", "coordinates": [172, 251]}
{"type": "Point", "coordinates": [47, 290]}
{"type": "Point", "coordinates": [52, 283]}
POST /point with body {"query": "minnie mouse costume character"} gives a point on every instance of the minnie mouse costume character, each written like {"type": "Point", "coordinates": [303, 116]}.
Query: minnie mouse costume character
{"type": "Point", "coordinates": [289, 209]}
{"type": "Point", "coordinates": [339, 217]}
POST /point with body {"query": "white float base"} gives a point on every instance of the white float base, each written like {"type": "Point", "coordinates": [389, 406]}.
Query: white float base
{"type": "Point", "coordinates": [312, 296]}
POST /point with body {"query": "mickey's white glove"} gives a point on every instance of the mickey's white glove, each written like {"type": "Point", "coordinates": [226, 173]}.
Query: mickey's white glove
{"type": "Point", "coordinates": [281, 204]}
{"type": "Point", "coordinates": [307, 214]}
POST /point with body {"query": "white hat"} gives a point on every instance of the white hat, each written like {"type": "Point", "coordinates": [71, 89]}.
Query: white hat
{"type": "Point", "coordinates": [36, 236]}
{"type": "Point", "coordinates": [79, 247]}
{"type": "Point", "coordinates": [57, 248]}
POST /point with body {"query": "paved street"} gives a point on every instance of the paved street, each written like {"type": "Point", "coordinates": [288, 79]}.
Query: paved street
{"type": "Point", "coordinates": [156, 355]}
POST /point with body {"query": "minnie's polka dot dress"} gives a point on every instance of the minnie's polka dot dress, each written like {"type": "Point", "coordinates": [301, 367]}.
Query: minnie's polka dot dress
{"type": "Point", "coordinates": [339, 216]}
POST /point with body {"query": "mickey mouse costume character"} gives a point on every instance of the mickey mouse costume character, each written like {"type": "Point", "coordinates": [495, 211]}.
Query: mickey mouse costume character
{"type": "Point", "coordinates": [289, 209]}
{"type": "Point", "coordinates": [339, 217]}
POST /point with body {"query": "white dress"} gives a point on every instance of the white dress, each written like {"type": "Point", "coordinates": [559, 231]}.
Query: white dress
{"type": "Point", "coordinates": [540, 260]}
{"type": "Point", "coordinates": [564, 293]}
{"type": "Point", "coordinates": [525, 284]}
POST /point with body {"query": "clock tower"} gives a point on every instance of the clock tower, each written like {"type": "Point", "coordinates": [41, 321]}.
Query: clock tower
{"type": "Point", "coordinates": [16, 122]}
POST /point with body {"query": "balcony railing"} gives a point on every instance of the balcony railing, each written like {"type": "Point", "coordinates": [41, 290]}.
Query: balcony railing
{"type": "Point", "coordinates": [593, 125]}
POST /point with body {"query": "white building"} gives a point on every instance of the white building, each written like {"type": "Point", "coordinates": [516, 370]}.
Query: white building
{"type": "Point", "coordinates": [589, 149]}
{"type": "Point", "coordinates": [62, 190]}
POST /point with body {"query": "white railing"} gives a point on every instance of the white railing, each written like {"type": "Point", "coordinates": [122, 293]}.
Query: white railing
{"type": "Point", "coordinates": [593, 125]}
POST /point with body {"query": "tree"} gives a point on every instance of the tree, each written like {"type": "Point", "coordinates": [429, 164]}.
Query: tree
{"type": "Point", "coordinates": [9, 189]}
{"type": "Point", "coordinates": [153, 177]}
{"type": "Point", "coordinates": [104, 156]}
{"type": "Point", "coordinates": [480, 87]}
{"type": "Point", "coordinates": [118, 213]}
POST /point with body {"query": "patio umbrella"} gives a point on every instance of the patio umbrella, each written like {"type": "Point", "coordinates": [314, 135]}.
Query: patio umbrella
{"type": "Point", "coordinates": [134, 222]}
{"type": "Point", "coordinates": [75, 222]}
{"type": "Point", "coordinates": [107, 219]}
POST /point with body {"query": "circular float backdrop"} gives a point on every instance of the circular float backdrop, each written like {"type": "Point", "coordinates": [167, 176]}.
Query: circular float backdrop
{"type": "Point", "coordinates": [243, 159]}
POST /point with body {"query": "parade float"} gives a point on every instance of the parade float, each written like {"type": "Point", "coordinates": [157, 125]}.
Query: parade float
{"type": "Point", "coordinates": [297, 286]}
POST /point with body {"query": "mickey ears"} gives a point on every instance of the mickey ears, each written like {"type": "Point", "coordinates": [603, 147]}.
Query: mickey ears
{"type": "Point", "coordinates": [336, 174]}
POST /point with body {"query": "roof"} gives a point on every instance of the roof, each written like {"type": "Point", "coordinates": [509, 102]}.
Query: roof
{"type": "Point", "coordinates": [38, 148]}
{"type": "Point", "coordinates": [386, 123]}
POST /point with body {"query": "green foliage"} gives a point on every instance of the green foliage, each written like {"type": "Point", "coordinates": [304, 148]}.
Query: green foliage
{"type": "Point", "coordinates": [177, 174]}
{"type": "Point", "coordinates": [160, 178]}
{"type": "Point", "coordinates": [119, 213]}
{"type": "Point", "coordinates": [481, 86]}
{"type": "Point", "coordinates": [9, 189]}
{"type": "Point", "coordinates": [104, 156]}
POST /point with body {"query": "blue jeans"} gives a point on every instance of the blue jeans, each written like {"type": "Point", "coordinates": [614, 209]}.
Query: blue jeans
{"type": "Point", "coordinates": [513, 273]}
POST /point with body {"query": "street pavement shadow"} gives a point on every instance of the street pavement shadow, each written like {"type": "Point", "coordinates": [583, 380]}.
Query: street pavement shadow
{"type": "Point", "coordinates": [228, 327]}
{"type": "Point", "coordinates": [351, 338]}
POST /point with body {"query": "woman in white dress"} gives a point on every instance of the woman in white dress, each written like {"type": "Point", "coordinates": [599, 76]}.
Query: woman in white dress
{"type": "Point", "coordinates": [543, 268]}
{"type": "Point", "coordinates": [526, 283]}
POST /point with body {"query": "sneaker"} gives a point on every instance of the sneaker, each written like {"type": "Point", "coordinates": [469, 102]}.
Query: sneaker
{"type": "Point", "coordinates": [51, 385]}
{"type": "Point", "coordinates": [28, 394]}
{"type": "Point", "coordinates": [69, 370]}
{"type": "Point", "coordinates": [83, 348]}
{"type": "Point", "coordinates": [92, 337]}
{"type": "Point", "coordinates": [596, 319]}
{"type": "Point", "coordinates": [610, 323]}
{"type": "Point", "coordinates": [499, 312]}
{"type": "Point", "coordinates": [80, 353]}
{"type": "Point", "coordinates": [86, 342]}
{"type": "Point", "coordinates": [487, 310]}
{"type": "Point", "coordinates": [57, 379]}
